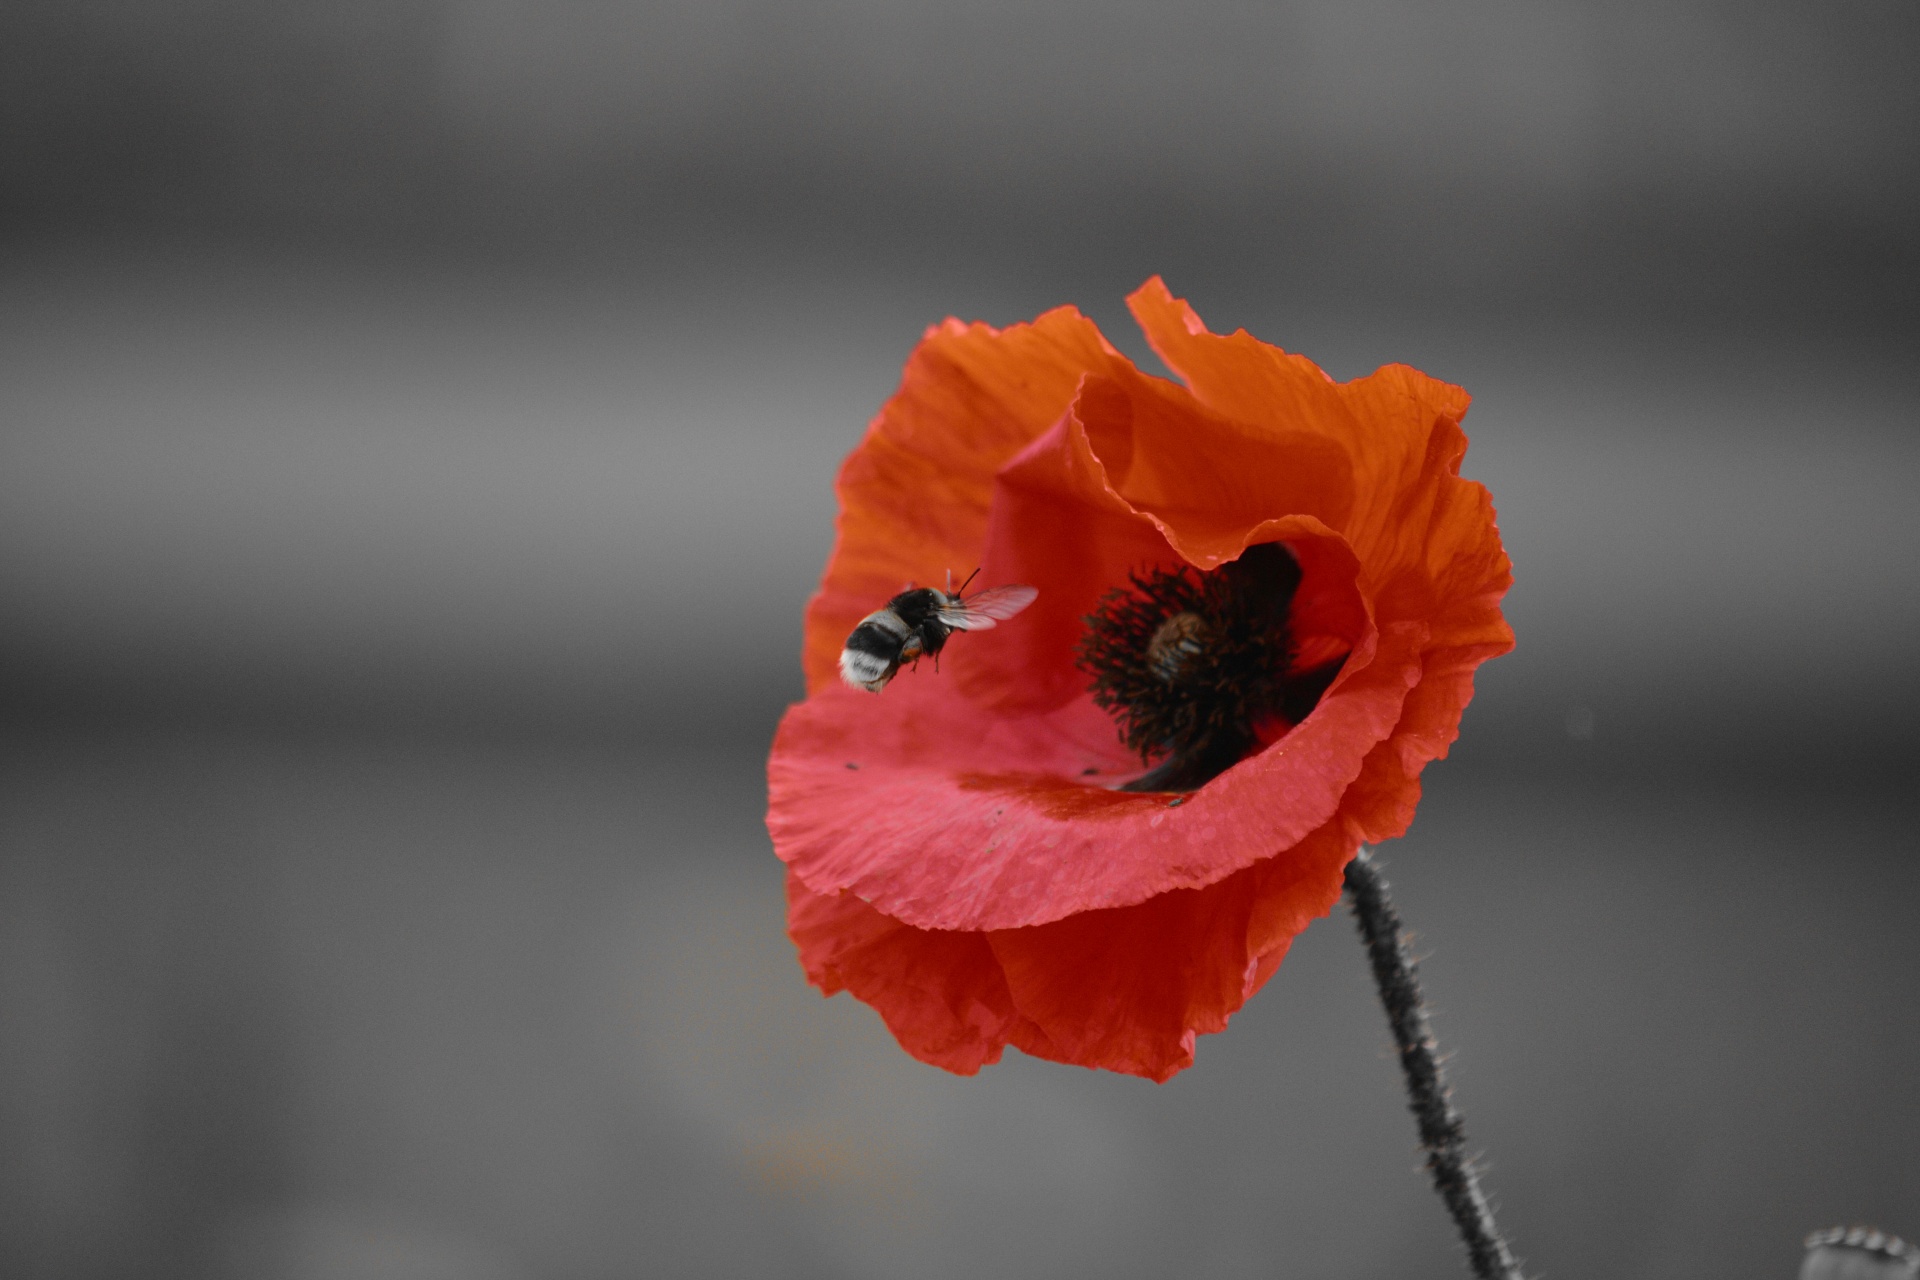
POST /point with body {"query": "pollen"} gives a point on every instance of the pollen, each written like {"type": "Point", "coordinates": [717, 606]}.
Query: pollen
{"type": "Point", "coordinates": [1188, 663]}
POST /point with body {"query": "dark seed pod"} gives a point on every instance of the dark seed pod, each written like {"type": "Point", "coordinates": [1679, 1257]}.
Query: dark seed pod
{"type": "Point", "coordinates": [1858, 1253]}
{"type": "Point", "coordinates": [1180, 640]}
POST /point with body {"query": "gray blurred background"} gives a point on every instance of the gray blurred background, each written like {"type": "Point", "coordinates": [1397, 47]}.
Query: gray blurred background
{"type": "Point", "coordinates": [417, 421]}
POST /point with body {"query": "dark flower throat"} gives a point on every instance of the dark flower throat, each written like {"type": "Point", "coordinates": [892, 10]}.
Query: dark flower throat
{"type": "Point", "coordinates": [1187, 663]}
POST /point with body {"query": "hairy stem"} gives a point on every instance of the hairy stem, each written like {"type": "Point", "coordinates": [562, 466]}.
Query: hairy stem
{"type": "Point", "coordinates": [1442, 1132]}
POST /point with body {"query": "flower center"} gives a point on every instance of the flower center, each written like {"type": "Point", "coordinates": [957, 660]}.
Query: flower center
{"type": "Point", "coordinates": [1188, 663]}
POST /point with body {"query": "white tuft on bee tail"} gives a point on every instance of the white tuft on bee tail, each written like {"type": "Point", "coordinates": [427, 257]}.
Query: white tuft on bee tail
{"type": "Point", "coordinates": [863, 670]}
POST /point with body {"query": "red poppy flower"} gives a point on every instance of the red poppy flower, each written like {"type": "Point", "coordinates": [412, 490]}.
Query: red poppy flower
{"type": "Point", "coordinates": [960, 853]}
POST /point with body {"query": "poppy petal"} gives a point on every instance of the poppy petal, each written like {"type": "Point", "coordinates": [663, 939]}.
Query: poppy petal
{"type": "Point", "coordinates": [1129, 989]}
{"type": "Point", "coordinates": [914, 495]}
{"type": "Point", "coordinates": [1399, 427]}
{"type": "Point", "coordinates": [959, 818]}
{"type": "Point", "coordinates": [941, 994]}
{"type": "Point", "coordinates": [1125, 990]}
{"type": "Point", "coordinates": [1061, 521]}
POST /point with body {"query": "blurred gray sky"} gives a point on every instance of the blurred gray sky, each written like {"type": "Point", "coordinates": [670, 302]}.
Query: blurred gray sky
{"type": "Point", "coordinates": [1660, 151]}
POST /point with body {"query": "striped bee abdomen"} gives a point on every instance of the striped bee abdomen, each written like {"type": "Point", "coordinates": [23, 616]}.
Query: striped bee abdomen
{"type": "Point", "coordinates": [874, 649]}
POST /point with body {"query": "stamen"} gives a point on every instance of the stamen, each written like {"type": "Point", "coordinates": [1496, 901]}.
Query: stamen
{"type": "Point", "coordinates": [1188, 663]}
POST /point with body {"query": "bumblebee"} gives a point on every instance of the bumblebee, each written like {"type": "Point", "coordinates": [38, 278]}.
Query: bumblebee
{"type": "Point", "coordinates": [916, 624]}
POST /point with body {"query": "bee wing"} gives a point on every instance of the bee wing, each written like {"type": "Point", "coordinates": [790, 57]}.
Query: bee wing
{"type": "Point", "coordinates": [982, 612]}
{"type": "Point", "coordinates": [1001, 603]}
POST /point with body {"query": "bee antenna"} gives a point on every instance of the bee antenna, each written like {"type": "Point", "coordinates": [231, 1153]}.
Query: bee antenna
{"type": "Point", "coordinates": [963, 586]}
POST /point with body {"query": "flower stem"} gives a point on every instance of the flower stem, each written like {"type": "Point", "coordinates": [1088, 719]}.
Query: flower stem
{"type": "Point", "coordinates": [1442, 1132]}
